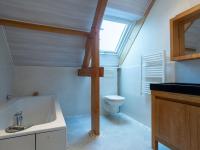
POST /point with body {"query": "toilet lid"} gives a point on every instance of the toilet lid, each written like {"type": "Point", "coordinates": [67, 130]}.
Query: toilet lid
{"type": "Point", "coordinates": [115, 97]}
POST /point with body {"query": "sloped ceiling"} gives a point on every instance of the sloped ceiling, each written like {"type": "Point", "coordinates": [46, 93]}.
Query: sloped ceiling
{"type": "Point", "coordinates": [76, 14]}
{"type": "Point", "coordinates": [35, 48]}
{"type": "Point", "coordinates": [127, 9]}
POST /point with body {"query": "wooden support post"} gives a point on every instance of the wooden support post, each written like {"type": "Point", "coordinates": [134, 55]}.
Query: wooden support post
{"type": "Point", "coordinates": [95, 106]}
{"type": "Point", "coordinates": [95, 85]}
{"type": "Point", "coordinates": [95, 71]}
{"type": "Point", "coordinates": [95, 81]}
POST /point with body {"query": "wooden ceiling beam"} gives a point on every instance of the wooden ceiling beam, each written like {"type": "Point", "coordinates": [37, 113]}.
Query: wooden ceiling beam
{"type": "Point", "coordinates": [149, 6]}
{"type": "Point", "coordinates": [101, 6]}
{"type": "Point", "coordinates": [40, 27]}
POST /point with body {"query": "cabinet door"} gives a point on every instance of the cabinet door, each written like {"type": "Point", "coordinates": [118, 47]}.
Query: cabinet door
{"type": "Point", "coordinates": [55, 140]}
{"type": "Point", "coordinates": [18, 143]}
{"type": "Point", "coordinates": [195, 127]}
{"type": "Point", "coordinates": [172, 124]}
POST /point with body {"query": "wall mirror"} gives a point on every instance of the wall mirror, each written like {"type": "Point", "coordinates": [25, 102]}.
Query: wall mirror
{"type": "Point", "coordinates": [185, 35]}
{"type": "Point", "coordinates": [192, 37]}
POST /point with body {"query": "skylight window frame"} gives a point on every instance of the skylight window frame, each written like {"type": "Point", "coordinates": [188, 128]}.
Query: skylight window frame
{"type": "Point", "coordinates": [124, 36]}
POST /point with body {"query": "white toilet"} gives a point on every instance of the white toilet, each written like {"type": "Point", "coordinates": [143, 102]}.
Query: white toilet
{"type": "Point", "coordinates": [112, 103]}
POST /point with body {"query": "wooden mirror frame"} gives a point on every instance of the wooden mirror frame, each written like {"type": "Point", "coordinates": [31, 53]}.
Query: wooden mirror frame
{"type": "Point", "coordinates": [178, 25]}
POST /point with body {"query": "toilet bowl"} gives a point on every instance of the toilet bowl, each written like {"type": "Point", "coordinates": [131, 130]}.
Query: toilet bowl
{"type": "Point", "coordinates": [112, 103]}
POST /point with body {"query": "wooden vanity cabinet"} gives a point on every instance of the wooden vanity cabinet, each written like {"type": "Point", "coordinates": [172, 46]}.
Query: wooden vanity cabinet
{"type": "Point", "coordinates": [194, 127]}
{"type": "Point", "coordinates": [175, 120]}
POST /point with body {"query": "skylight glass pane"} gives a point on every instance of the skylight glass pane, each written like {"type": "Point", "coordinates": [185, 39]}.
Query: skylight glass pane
{"type": "Point", "coordinates": [110, 35]}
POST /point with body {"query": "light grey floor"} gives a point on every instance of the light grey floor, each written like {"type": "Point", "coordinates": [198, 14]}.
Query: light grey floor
{"type": "Point", "coordinates": [118, 132]}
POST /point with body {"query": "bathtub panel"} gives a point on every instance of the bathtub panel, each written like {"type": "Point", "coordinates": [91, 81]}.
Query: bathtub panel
{"type": "Point", "coordinates": [55, 140]}
{"type": "Point", "coordinates": [18, 143]}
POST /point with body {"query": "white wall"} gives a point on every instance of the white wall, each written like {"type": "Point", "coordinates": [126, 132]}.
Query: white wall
{"type": "Point", "coordinates": [73, 91]}
{"type": "Point", "coordinates": [6, 68]}
{"type": "Point", "coordinates": [154, 36]}
{"type": "Point", "coordinates": [188, 72]}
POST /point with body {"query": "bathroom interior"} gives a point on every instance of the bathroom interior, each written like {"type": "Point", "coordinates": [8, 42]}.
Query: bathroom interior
{"type": "Point", "coordinates": [99, 75]}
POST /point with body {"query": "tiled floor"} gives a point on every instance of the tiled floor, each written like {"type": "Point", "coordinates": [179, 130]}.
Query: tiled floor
{"type": "Point", "coordinates": [117, 133]}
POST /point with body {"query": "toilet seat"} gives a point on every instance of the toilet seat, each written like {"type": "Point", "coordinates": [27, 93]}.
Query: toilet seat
{"type": "Point", "coordinates": [115, 98]}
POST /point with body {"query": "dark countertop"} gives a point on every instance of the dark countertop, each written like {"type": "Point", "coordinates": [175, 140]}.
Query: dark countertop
{"type": "Point", "coordinates": [183, 88]}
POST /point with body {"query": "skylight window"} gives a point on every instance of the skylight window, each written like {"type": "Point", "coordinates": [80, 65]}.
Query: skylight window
{"type": "Point", "coordinates": [111, 35]}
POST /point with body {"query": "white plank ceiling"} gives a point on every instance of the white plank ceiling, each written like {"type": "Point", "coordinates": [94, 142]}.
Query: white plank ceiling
{"type": "Point", "coordinates": [43, 49]}
{"type": "Point", "coordinates": [35, 48]}
{"type": "Point", "coordinates": [76, 14]}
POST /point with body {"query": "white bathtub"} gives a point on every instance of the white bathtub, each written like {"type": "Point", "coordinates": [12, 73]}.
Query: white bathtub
{"type": "Point", "coordinates": [42, 112]}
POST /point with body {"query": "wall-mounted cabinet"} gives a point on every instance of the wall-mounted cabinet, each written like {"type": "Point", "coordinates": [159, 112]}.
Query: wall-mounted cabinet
{"type": "Point", "coordinates": [185, 35]}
